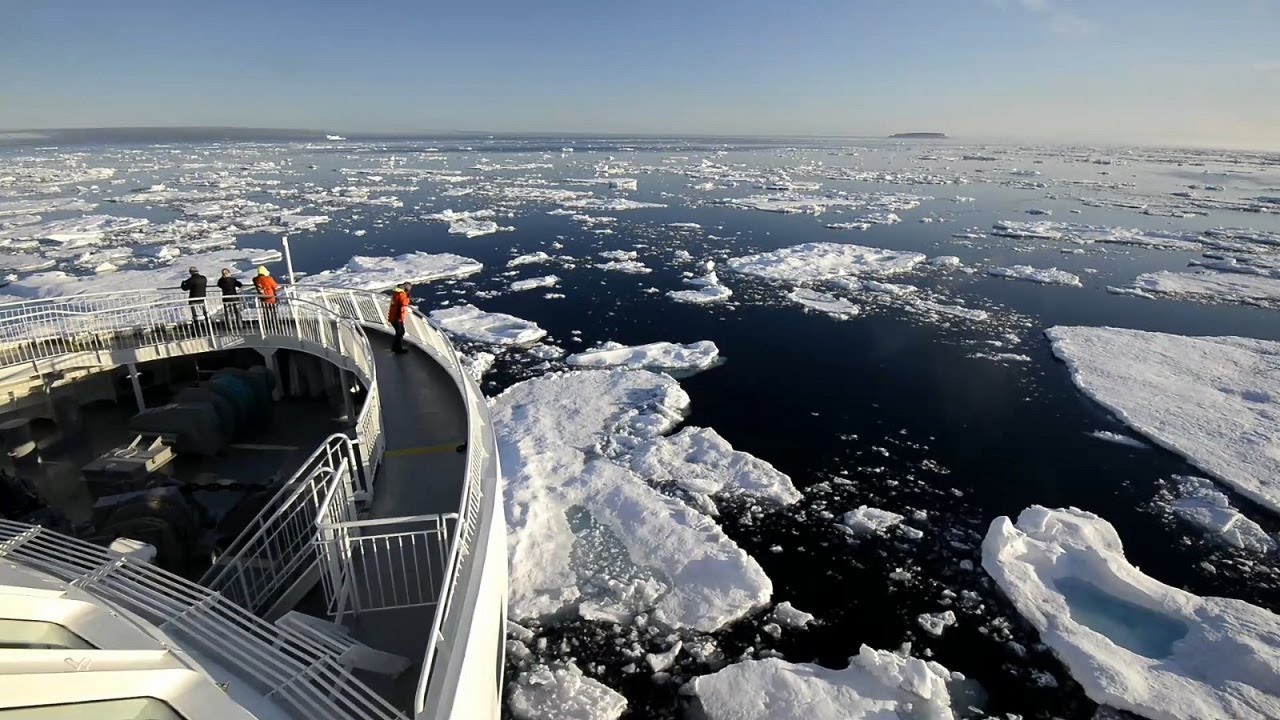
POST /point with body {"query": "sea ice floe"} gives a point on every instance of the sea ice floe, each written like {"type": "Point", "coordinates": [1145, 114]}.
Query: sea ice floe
{"type": "Point", "coordinates": [710, 289]}
{"type": "Point", "coordinates": [1198, 501]}
{"type": "Point", "coordinates": [471, 323]}
{"type": "Point", "coordinates": [382, 273]}
{"type": "Point", "coordinates": [545, 281]}
{"type": "Point", "coordinates": [1118, 439]}
{"type": "Point", "coordinates": [77, 231]}
{"type": "Point", "coordinates": [653, 356]}
{"type": "Point", "coordinates": [1133, 642]}
{"type": "Point", "coordinates": [632, 267]}
{"type": "Point", "coordinates": [870, 521]}
{"type": "Point", "coordinates": [563, 692]}
{"type": "Point", "coordinates": [1051, 276]}
{"type": "Point", "coordinates": [936, 623]}
{"type": "Point", "coordinates": [473, 223]}
{"type": "Point", "coordinates": [1072, 232]}
{"type": "Point", "coordinates": [586, 532]}
{"type": "Point", "coordinates": [1213, 400]}
{"type": "Point", "coordinates": [27, 207]}
{"type": "Point", "coordinates": [834, 307]}
{"type": "Point", "coordinates": [877, 685]}
{"type": "Point", "coordinates": [1211, 286]}
{"type": "Point", "coordinates": [529, 259]}
{"type": "Point", "coordinates": [478, 364]}
{"type": "Point", "coordinates": [701, 462]}
{"type": "Point", "coordinates": [787, 615]}
{"type": "Point", "coordinates": [816, 262]}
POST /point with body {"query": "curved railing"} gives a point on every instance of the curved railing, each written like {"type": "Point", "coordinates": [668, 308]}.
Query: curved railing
{"type": "Point", "coordinates": [286, 667]}
{"type": "Point", "coordinates": [323, 320]}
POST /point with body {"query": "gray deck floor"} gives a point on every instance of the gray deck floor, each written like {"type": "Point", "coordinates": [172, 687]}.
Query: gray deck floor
{"type": "Point", "coordinates": [422, 473]}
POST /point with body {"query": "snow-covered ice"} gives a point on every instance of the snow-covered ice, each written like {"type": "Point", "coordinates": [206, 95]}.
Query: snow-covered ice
{"type": "Point", "coordinates": [471, 323]}
{"type": "Point", "coordinates": [529, 259]}
{"type": "Point", "coordinates": [1199, 502]}
{"type": "Point", "coordinates": [815, 262]}
{"type": "Point", "coordinates": [545, 281]}
{"type": "Point", "coordinates": [787, 615]}
{"type": "Point", "coordinates": [699, 461]}
{"type": "Point", "coordinates": [834, 307]}
{"type": "Point", "coordinates": [565, 693]}
{"type": "Point", "coordinates": [936, 623]}
{"type": "Point", "coordinates": [654, 356]}
{"type": "Point", "coordinates": [586, 532]}
{"type": "Point", "coordinates": [1213, 400]}
{"type": "Point", "coordinates": [382, 273]}
{"type": "Point", "coordinates": [1051, 276]}
{"type": "Point", "coordinates": [1119, 439]}
{"type": "Point", "coordinates": [632, 267]}
{"type": "Point", "coordinates": [877, 685]}
{"type": "Point", "coordinates": [1211, 286]}
{"type": "Point", "coordinates": [1133, 642]}
{"type": "Point", "coordinates": [478, 364]}
{"type": "Point", "coordinates": [55, 283]}
{"type": "Point", "coordinates": [870, 521]}
{"type": "Point", "coordinates": [469, 223]}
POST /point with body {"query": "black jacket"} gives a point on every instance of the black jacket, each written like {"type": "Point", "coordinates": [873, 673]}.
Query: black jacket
{"type": "Point", "coordinates": [195, 285]}
{"type": "Point", "coordinates": [229, 285]}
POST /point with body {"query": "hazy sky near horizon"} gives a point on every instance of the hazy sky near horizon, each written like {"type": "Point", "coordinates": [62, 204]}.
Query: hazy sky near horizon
{"type": "Point", "coordinates": [1158, 71]}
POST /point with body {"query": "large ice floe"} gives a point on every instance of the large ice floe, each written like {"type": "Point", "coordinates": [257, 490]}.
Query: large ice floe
{"type": "Point", "coordinates": [589, 528]}
{"type": "Point", "coordinates": [816, 262]}
{"type": "Point", "coordinates": [877, 685]}
{"type": "Point", "coordinates": [653, 356]}
{"type": "Point", "coordinates": [1050, 276]}
{"type": "Point", "coordinates": [1211, 286]}
{"type": "Point", "coordinates": [471, 323]}
{"type": "Point", "coordinates": [381, 273]}
{"type": "Point", "coordinates": [1132, 642]}
{"type": "Point", "coordinates": [1213, 400]}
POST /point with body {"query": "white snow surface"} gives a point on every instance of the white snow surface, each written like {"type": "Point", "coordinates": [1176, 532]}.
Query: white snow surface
{"type": "Point", "coordinates": [654, 356]}
{"type": "Point", "coordinates": [1213, 400]}
{"type": "Point", "coordinates": [382, 273]}
{"type": "Point", "coordinates": [1132, 642]}
{"type": "Point", "coordinates": [877, 685]}
{"type": "Point", "coordinates": [585, 532]}
{"type": "Point", "coordinates": [471, 323]}
{"type": "Point", "coordinates": [1051, 276]}
{"type": "Point", "coordinates": [545, 281]}
{"type": "Point", "coordinates": [870, 521]}
{"type": "Point", "coordinates": [564, 693]}
{"type": "Point", "coordinates": [699, 461]}
{"type": "Point", "coordinates": [1211, 286]}
{"type": "Point", "coordinates": [816, 262]}
{"type": "Point", "coordinates": [529, 259]}
{"type": "Point", "coordinates": [1201, 503]}
{"type": "Point", "coordinates": [834, 307]}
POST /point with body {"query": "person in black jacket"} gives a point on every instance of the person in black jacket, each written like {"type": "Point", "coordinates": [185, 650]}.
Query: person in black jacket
{"type": "Point", "coordinates": [196, 285]}
{"type": "Point", "coordinates": [230, 295]}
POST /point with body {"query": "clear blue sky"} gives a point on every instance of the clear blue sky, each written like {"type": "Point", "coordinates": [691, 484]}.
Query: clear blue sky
{"type": "Point", "coordinates": [1186, 71]}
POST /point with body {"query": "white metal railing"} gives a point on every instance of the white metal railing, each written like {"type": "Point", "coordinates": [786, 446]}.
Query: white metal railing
{"type": "Point", "coordinates": [384, 564]}
{"type": "Point", "coordinates": [288, 668]}
{"type": "Point", "coordinates": [298, 315]}
{"type": "Point", "coordinates": [279, 547]}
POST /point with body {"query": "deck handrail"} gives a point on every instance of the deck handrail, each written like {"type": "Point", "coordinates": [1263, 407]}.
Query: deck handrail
{"type": "Point", "coordinates": [299, 306]}
{"type": "Point", "coordinates": [286, 666]}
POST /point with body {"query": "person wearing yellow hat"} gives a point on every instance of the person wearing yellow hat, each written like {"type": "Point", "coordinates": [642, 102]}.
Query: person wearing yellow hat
{"type": "Point", "coordinates": [266, 287]}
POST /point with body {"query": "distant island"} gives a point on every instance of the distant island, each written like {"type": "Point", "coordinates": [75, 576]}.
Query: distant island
{"type": "Point", "coordinates": [930, 135]}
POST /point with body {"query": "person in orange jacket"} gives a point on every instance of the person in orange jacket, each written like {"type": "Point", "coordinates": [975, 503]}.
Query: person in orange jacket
{"type": "Point", "coordinates": [397, 313]}
{"type": "Point", "coordinates": [266, 287]}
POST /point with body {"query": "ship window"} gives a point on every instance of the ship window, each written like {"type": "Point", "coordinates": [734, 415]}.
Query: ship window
{"type": "Point", "coordinates": [36, 635]}
{"type": "Point", "coordinates": [129, 709]}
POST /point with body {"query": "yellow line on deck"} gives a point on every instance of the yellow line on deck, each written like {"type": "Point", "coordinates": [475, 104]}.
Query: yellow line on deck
{"type": "Point", "coordinates": [423, 450]}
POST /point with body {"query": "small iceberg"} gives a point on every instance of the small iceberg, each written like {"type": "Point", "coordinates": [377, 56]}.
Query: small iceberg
{"type": "Point", "coordinates": [877, 685]}
{"type": "Point", "coordinates": [1051, 276]}
{"type": "Point", "coordinates": [471, 323]}
{"type": "Point", "coordinates": [829, 305]}
{"type": "Point", "coordinates": [1132, 642]}
{"type": "Point", "coordinates": [654, 356]}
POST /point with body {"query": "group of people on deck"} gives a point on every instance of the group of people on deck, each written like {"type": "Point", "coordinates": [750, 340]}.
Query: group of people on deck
{"type": "Point", "coordinates": [265, 287]}
{"type": "Point", "coordinates": [197, 287]}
